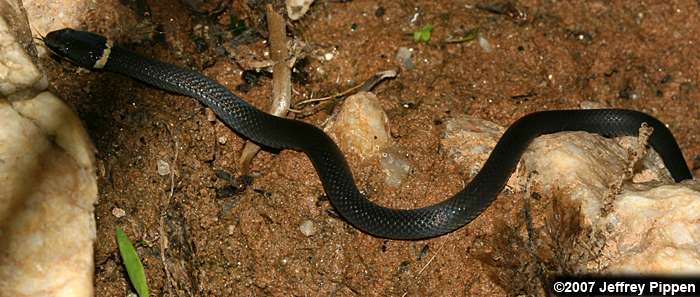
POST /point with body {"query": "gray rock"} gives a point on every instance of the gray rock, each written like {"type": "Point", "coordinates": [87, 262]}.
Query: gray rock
{"type": "Point", "coordinates": [404, 58]}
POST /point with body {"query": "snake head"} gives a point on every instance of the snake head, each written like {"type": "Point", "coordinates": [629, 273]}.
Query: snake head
{"type": "Point", "coordinates": [85, 49]}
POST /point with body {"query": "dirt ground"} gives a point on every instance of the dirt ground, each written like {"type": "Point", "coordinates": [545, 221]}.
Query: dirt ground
{"type": "Point", "coordinates": [199, 236]}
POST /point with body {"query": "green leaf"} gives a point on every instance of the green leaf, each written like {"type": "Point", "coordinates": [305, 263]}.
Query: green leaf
{"type": "Point", "coordinates": [133, 264]}
{"type": "Point", "coordinates": [423, 34]}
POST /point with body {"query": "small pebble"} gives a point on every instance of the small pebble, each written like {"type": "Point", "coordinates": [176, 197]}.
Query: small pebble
{"type": "Point", "coordinates": [118, 212]}
{"type": "Point", "coordinates": [395, 167]}
{"type": "Point", "coordinates": [163, 168]}
{"type": "Point", "coordinates": [404, 57]}
{"type": "Point", "coordinates": [102, 171]}
{"type": "Point", "coordinates": [231, 229]}
{"type": "Point", "coordinates": [211, 116]}
{"type": "Point", "coordinates": [328, 56]}
{"type": "Point", "coordinates": [222, 139]}
{"type": "Point", "coordinates": [307, 228]}
{"type": "Point", "coordinates": [320, 71]}
{"type": "Point", "coordinates": [361, 127]}
{"type": "Point", "coordinates": [485, 44]}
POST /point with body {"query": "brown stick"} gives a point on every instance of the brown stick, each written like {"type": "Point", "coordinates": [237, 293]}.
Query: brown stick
{"type": "Point", "coordinates": [281, 80]}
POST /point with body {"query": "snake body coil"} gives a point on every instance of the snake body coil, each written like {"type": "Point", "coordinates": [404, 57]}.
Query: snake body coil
{"type": "Point", "coordinates": [90, 50]}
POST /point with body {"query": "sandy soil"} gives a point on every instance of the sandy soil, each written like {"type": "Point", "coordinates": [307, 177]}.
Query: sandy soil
{"type": "Point", "coordinates": [199, 237]}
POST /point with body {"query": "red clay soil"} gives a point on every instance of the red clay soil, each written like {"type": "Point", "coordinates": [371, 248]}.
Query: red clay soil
{"type": "Point", "coordinates": [197, 236]}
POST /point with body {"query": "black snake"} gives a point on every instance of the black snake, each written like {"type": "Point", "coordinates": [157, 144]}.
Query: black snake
{"type": "Point", "coordinates": [92, 51]}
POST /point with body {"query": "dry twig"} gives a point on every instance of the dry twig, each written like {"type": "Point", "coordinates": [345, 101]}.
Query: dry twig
{"type": "Point", "coordinates": [281, 80]}
{"type": "Point", "coordinates": [365, 87]}
{"type": "Point", "coordinates": [163, 242]}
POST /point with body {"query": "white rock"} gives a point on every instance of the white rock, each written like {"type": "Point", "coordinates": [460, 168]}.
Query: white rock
{"type": "Point", "coordinates": [656, 230]}
{"type": "Point", "coordinates": [469, 140]}
{"type": "Point", "coordinates": [48, 15]}
{"type": "Point", "coordinates": [581, 161]}
{"type": "Point", "coordinates": [361, 126]}
{"type": "Point", "coordinates": [650, 230]}
{"type": "Point", "coordinates": [163, 168]}
{"type": "Point", "coordinates": [297, 8]}
{"type": "Point", "coordinates": [585, 163]}
{"type": "Point", "coordinates": [307, 228]}
{"type": "Point", "coordinates": [118, 212]}
{"type": "Point", "coordinates": [645, 228]}
{"type": "Point", "coordinates": [485, 44]}
{"type": "Point", "coordinates": [18, 75]}
{"type": "Point", "coordinates": [58, 121]}
{"type": "Point", "coordinates": [328, 56]}
{"type": "Point", "coordinates": [211, 116]}
{"type": "Point", "coordinates": [47, 185]}
{"type": "Point", "coordinates": [395, 167]}
{"type": "Point", "coordinates": [46, 205]}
